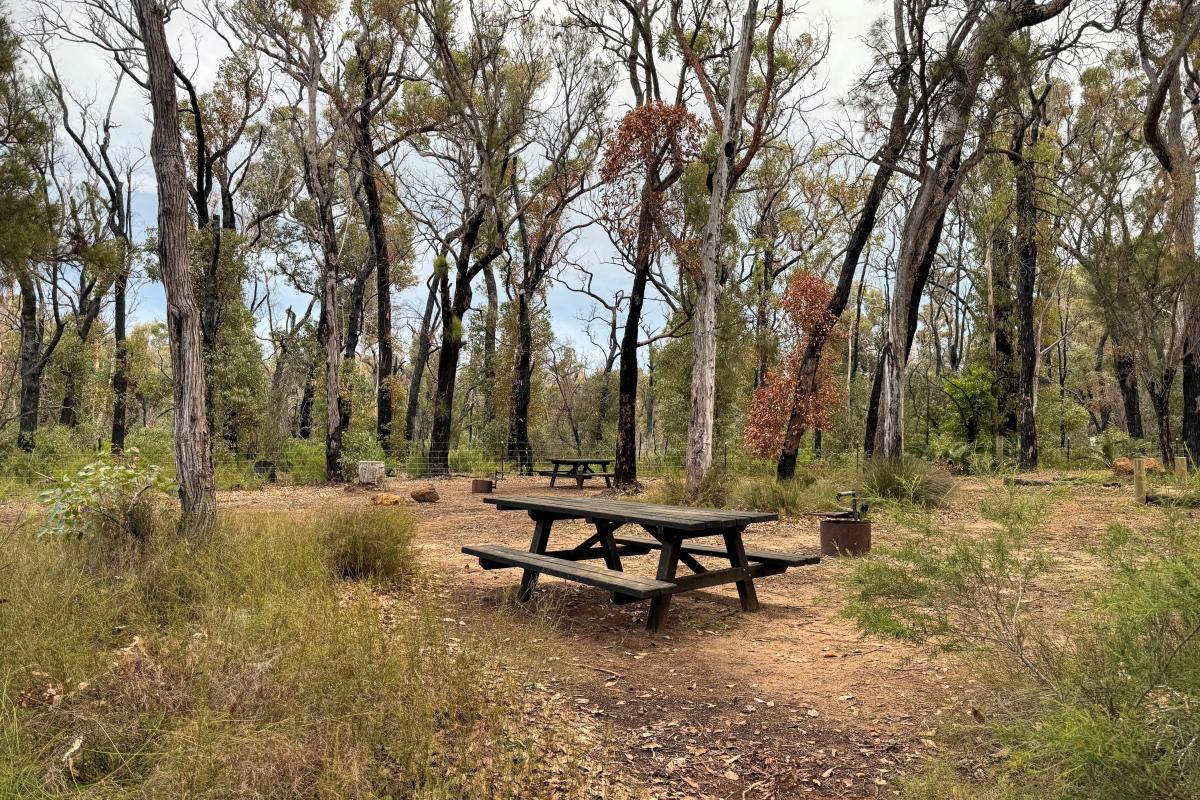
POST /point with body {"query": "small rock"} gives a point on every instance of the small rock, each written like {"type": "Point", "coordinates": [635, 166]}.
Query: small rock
{"type": "Point", "coordinates": [1124, 466]}
{"type": "Point", "coordinates": [425, 494]}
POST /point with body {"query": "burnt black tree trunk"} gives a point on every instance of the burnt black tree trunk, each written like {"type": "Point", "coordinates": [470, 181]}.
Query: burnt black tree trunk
{"type": "Point", "coordinates": [455, 302]}
{"type": "Point", "coordinates": [35, 354]}
{"type": "Point", "coordinates": [1125, 369]}
{"type": "Point", "coordinates": [420, 361]}
{"type": "Point", "coordinates": [90, 307]}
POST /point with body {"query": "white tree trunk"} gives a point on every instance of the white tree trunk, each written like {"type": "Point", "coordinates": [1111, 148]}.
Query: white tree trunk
{"type": "Point", "coordinates": [704, 319]}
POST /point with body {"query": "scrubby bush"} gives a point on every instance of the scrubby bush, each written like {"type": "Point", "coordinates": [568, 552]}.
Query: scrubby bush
{"type": "Point", "coordinates": [245, 668]}
{"type": "Point", "coordinates": [112, 501]}
{"type": "Point", "coordinates": [359, 445]}
{"type": "Point", "coordinates": [370, 543]}
{"type": "Point", "coordinates": [468, 461]}
{"type": "Point", "coordinates": [799, 495]}
{"type": "Point", "coordinates": [304, 461]}
{"type": "Point", "coordinates": [907, 480]}
{"type": "Point", "coordinates": [1099, 705]}
{"type": "Point", "coordinates": [672, 490]}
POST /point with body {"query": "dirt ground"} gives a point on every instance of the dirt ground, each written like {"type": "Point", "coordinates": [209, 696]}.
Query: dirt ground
{"type": "Point", "coordinates": [788, 702]}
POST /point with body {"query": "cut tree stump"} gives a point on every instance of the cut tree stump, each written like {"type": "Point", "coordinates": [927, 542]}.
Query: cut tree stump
{"type": "Point", "coordinates": [371, 472]}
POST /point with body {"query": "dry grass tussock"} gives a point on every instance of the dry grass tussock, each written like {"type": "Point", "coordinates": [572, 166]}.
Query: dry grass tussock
{"type": "Point", "coordinates": [250, 668]}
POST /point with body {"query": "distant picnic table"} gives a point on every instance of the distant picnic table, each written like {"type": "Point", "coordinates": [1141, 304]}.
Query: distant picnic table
{"type": "Point", "coordinates": [672, 530]}
{"type": "Point", "coordinates": [578, 468]}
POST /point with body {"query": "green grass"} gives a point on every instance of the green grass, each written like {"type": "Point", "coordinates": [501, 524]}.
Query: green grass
{"type": "Point", "coordinates": [803, 494]}
{"type": "Point", "coordinates": [249, 668]}
{"type": "Point", "coordinates": [907, 480]}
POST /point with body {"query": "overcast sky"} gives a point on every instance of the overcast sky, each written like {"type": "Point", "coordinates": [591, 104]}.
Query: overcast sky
{"type": "Point", "coordinates": [87, 73]}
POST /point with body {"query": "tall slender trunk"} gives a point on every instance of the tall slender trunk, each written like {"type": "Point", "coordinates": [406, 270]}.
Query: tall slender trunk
{"type": "Point", "coordinates": [318, 179]}
{"type": "Point", "coordinates": [625, 462]}
{"type": "Point", "coordinates": [120, 377]}
{"type": "Point", "coordinates": [193, 454]}
{"type": "Point", "coordinates": [454, 307]}
{"type": "Point", "coordinates": [381, 258]}
{"type": "Point", "coordinates": [1027, 256]}
{"type": "Point", "coordinates": [491, 318]}
{"type": "Point", "coordinates": [34, 355]}
{"type": "Point", "coordinates": [419, 362]}
{"type": "Point", "coordinates": [875, 405]}
{"type": "Point", "coordinates": [806, 383]}
{"type": "Point", "coordinates": [708, 286]}
{"type": "Point", "coordinates": [519, 449]}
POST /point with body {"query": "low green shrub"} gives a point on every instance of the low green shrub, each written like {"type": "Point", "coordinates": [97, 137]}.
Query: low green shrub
{"type": "Point", "coordinates": [304, 461]}
{"type": "Point", "coordinates": [468, 461]}
{"type": "Point", "coordinates": [374, 542]}
{"type": "Point", "coordinates": [1099, 704]}
{"type": "Point", "coordinates": [114, 501]}
{"type": "Point", "coordinates": [672, 490]}
{"type": "Point", "coordinates": [907, 480]}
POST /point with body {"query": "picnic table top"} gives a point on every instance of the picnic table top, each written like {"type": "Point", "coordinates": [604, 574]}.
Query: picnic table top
{"type": "Point", "coordinates": [577, 460]}
{"type": "Point", "coordinates": [681, 518]}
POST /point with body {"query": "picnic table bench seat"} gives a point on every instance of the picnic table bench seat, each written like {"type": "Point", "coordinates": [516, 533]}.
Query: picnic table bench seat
{"type": "Point", "coordinates": [495, 556]}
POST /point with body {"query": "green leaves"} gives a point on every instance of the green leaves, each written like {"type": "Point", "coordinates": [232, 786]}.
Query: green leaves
{"type": "Point", "coordinates": [100, 496]}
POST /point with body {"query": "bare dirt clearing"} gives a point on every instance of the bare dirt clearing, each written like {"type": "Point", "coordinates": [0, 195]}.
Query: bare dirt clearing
{"type": "Point", "coordinates": [787, 702]}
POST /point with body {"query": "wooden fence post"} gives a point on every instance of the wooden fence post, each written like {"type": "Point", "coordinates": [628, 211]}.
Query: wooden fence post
{"type": "Point", "coordinates": [1139, 479]}
{"type": "Point", "coordinates": [1180, 466]}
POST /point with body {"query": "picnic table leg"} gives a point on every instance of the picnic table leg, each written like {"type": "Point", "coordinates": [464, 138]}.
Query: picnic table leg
{"type": "Point", "coordinates": [737, 559]}
{"type": "Point", "coordinates": [612, 557]}
{"type": "Point", "coordinates": [553, 474]}
{"type": "Point", "coordinates": [541, 538]}
{"type": "Point", "coordinates": [668, 563]}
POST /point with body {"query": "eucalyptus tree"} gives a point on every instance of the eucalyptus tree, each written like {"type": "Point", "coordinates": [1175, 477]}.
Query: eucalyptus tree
{"type": "Point", "coordinates": [544, 190]}
{"type": "Point", "coordinates": [488, 67]}
{"type": "Point", "coordinates": [91, 133]}
{"type": "Point", "coordinates": [301, 41]}
{"type": "Point", "coordinates": [896, 55]}
{"type": "Point", "coordinates": [1166, 33]}
{"type": "Point", "coordinates": [973, 41]}
{"type": "Point", "coordinates": [1119, 230]}
{"type": "Point", "coordinates": [783, 66]}
{"type": "Point", "coordinates": [193, 451]}
{"type": "Point", "coordinates": [644, 160]}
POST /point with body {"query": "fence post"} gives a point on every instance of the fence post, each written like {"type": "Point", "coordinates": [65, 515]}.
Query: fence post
{"type": "Point", "coordinates": [1180, 466]}
{"type": "Point", "coordinates": [1139, 479]}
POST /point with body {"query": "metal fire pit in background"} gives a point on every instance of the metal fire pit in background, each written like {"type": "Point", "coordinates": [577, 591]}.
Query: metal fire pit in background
{"type": "Point", "coordinates": [844, 532]}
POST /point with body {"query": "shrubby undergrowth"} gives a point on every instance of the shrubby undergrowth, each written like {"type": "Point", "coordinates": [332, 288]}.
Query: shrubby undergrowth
{"type": "Point", "coordinates": [247, 667]}
{"type": "Point", "coordinates": [1099, 705]}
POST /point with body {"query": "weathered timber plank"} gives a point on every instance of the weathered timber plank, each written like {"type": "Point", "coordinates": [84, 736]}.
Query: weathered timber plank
{"type": "Point", "coordinates": [672, 517]}
{"type": "Point", "coordinates": [612, 580]}
{"type": "Point", "coordinates": [789, 559]}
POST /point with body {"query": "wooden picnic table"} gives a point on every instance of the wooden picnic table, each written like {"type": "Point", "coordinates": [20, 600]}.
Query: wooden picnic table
{"type": "Point", "coordinates": [672, 530]}
{"type": "Point", "coordinates": [578, 468]}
